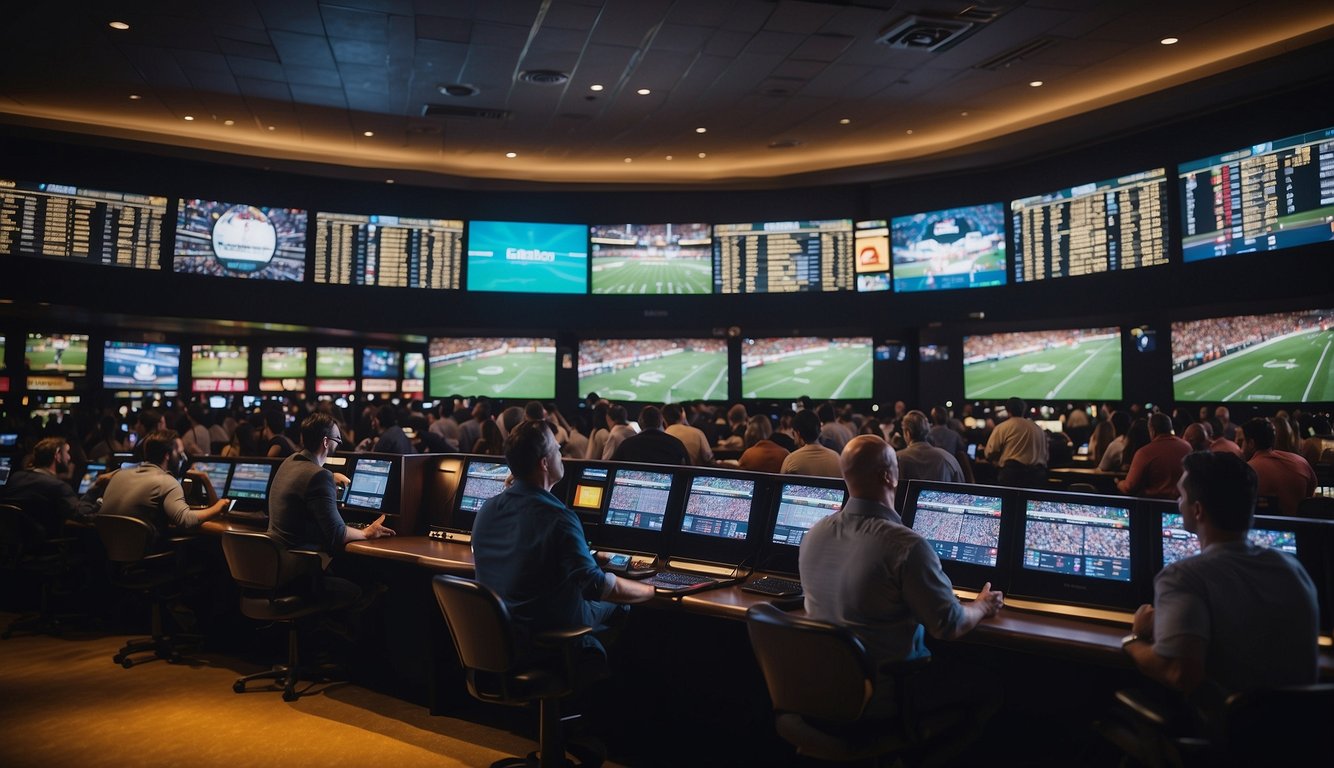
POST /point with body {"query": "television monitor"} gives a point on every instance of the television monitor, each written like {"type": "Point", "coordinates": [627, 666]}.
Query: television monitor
{"type": "Point", "coordinates": [527, 258]}
{"type": "Point", "coordinates": [389, 251]}
{"type": "Point", "coordinates": [1077, 549]}
{"type": "Point", "coordinates": [783, 257]}
{"type": "Point", "coordinates": [1102, 226]}
{"type": "Point", "coordinates": [1265, 197]}
{"type": "Point", "coordinates": [414, 372]}
{"type": "Point", "coordinates": [719, 507]}
{"type": "Point", "coordinates": [219, 367]}
{"type": "Point", "coordinates": [949, 249]}
{"type": "Point", "coordinates": [90, 473]}
{"type": "Point", "coordinates": [55, 361]}
{"type": "Point", "coordinates": [871, 255]}
{"type": "Point", "coordinates": [141, 365]}
{"type": "Point", "coordinates": [218, 472]}
{"type": "Point", "coordinates": [282, 369]}
{"type": "Point", "coordinates": [380, 369]}
{"type": "Point", "coordinates": [1254, 358]}
{"type": "Point", "coordinates": [638, 499]}
{"type": "Point", "coordinates": [821, 368]}
{"type": "Point", "coordinates": [801, 506]}
{"type": "Point", "coordinates": [962, 526]}
{"type": "Point", "coordinates": [514, 368]}
{"type": "Point", "coordinates": [87, 226]}
{"type": "Point", "coordinates": [654, 370]}
{"type": "Point", "coordinates": [250, 482]}
{"type": "Point", "coordinates": [481, 481]}
{"type": "Point", "coordinates": [1080, 364]}
{"type": "Point", "coordinates": [370, 484]}
{"type": "Point", "coordinates": [1179, 543]}
{"type": "Point", "coordinates": [4, 380]}
{"type": "Point", "coordinates": [240, 240]}
{"type": "Point", "coordinates": [639, 259]}
{"type": "Point", "coordinates": [335, 368]}
{"type": "Point", "coordinates": [6, 466]}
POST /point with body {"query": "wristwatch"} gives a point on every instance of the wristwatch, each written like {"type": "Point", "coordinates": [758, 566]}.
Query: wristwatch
{"type": "Point", "coordinates": [1128, 639]}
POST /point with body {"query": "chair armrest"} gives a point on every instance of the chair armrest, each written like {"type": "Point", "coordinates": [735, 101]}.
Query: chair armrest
{"type": "Point", "coordinates": [789, 604]}
{"type": "Point", "coordinates": [555, 638]}
{"type": "Point", "coordinates": [1139, 705]}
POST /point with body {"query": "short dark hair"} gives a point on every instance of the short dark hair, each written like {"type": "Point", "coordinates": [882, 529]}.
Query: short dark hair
{"type": "Point", "coordinates": [159, 444]}
{"type": "Point", "coordinates": [149, 418]}
{"type": "Point", "coordinates": [1160, 423]}
{"type": "Point", "coordinates": [940, 416]}
{"type": "Point", "coordinates": [1120, 422]}
{"type": "Point", "coordinates": [650, 417]}
{"type": "Point", "coordinates": [387, 415]}
{"type": "Point", "coordinates": [617, 414]}
{"type": "Point", "coordinates": [315, 428]}
{"type": "Point", "coordinates": [275, 420]}
{"type": "Point", "coordinates": [915, 426]}
{"type": "Point", "coordinates": [533, 410]}
{"type": "Point", "coordinates": [672, 413]}
{"type": "Point", "coordinates": [807, 424]}
{"type": "Point", "coordinates": [1225, 484]}
{"type": "Point", "coordinates": [1260, 431]}
{"type": "Point", "coordinates": [526, 446]}
{"type": "Point", "coordinates": [825, 412]}
{"type": "Point", "coordinates": [46, 451]}
{"type": "Point", "coordinates": [1016, 406]}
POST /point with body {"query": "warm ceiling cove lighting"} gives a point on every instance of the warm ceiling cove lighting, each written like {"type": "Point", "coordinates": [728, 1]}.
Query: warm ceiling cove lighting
{"type": "Point", "coordinates": [701, 130]}
{"type": "Point", "coordinates": [273, 127]}
{"type": "Point", "coordinates": [643, 91]}
{"type": "Point", "coordinates": [595, 87]}
{"type": "Point", "coordinates": [669, 157]}
{"type": "Point", "coordinates": [119, 25]}
{"type": "Point", "coordinates": [511, 155]}
{"type": "Point", "coordinates": [1035, 84]}
{"type": "Point", "coordinates": [1169, 41]}
{"type": "Point", "coordinates": [629, 160]}
{"type": "Point", "coordinates": [368, 134]}
{"type": "Point", "coordinates": [703, 155]}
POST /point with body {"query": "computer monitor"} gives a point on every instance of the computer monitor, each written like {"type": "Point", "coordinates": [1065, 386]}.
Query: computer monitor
{"type": "Point", "coordinates": [965, 525]}
{"type": "Point", "coordinates": [250, 483]}
{"type": "Point", "coordinates": [1179, 543]}
{"type": "Point", "coordinates": [638, 499]}
{"type": "Point", "coordinates": [90, 473]}
{"type": "Point", "coordinates": [799, 505]}
{"type": "Point", "coordinates": [481, 480]}
{"type": "Point", "coordinates": [1077, 549]}
{"type": "Point", "coordinates": [218, 472]}
{"type": "Point", "coordinates": [720, 517]}
{"type": "Point", "coordinates": [370, 484]}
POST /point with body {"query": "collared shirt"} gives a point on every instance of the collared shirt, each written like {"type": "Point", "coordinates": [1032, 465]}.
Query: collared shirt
{"type": "Point", "coordinates": [812, 459]}
{"type": "Point", "coordinates": [46, 498]}
{"type": "Point", "coordinates": [1018, 439]}
{"type": "Point", "coordinates": [1156, 468]}
{"type": "Point", "coordinates": [697, 445]}
{"type": "Point", "coordinates": [1285, 476]}
{"type": "Point", "coordinates": [863, 569]}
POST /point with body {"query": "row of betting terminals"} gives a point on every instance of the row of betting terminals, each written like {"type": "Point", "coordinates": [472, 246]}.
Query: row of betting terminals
{"type": "Point", "coordinates": [1094, 553]}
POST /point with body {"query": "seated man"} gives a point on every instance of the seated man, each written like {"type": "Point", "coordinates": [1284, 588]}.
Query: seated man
{"type": "Point", "coordinates": [531, 549]}
{"type": "Point", "coordinates": [151, 492]}
{"type": "Point", "coordinates": [1283, 476]}
{"type": "Point", "coordinates": [1156, 468]}
{"type": "Point", "coordinates": [863, 569]}
{"type": "Point", "coordinates": [38, 490]}
{"type": "Point", "coordinates": [810, 458]}
{"type": "Point", "coordinates": [652, 445]}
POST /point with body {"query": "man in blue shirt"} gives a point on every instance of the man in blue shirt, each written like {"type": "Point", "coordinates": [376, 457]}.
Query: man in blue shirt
{"type": "Point", "coordinates": [530, 548]}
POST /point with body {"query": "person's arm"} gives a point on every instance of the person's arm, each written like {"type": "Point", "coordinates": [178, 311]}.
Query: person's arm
{"type": "Point", "coordinates": [375, 530]}
{"type": "Point", "coordinates": [930, 596]}
{"type": "Point", "coordinates": [993, 449]}
{"type": "Point", "coordinates": [274, 451]}
{"type": "Point", "coordinates": [179, 512]}
{"type": "Point", "coordinates": [1135, 478]}
{"type": "Point", "coordinates": [987, 604]}
{"type": "Point", "coordinates": [1182, 672]}
{"type": "Point", "coordinates": [626, 591]}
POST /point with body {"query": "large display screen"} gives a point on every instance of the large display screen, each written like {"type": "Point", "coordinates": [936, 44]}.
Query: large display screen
{"type": "Point", "coordinates": [639, 499]}
{"type": "Point", "coordinates": [91, 226]}
{"type": "Point", "coordinates": [642, 259]}
{"type": "Point", "coordinates": [953, 248]}
{"type": "Point", "coordinates": [961, 527]}
{"type": "Point", "coordinates": [240, 240]}
{"type": "Point", "coordinates": [4, 380]}
{"type": "Point", "coordinates": [282, 369]}
{"type": "Point", "coordinates": [800, 507]}
{"type": "Point", "coordinates": [334, 370]}
{"type": "Point", "coordinates": [55, 361]}
{"type": "Point", "coordinates": [719, 506]}
{"type": "Point", "coordinates": [783, 257]}
{"type": "Point", "coordinates": [817, 367]}
{"type": "Point", "coordinates": [1104, 226]}
{"type": "Point", "coordinates": [379, 369]}
{"type": "Point", "coordinates": [219, 367]}
{"type": "Point", "coordinates": [1265, 197]}
{"type": "Point", "coordinates": [654, 370]}
{"type": "Point", "coordinates": [1075, 539]}
{"type": "Point", "coordinates": [414, 372]}
{"type": "Point", "coordinates": [138, 365]}
{"type": "Point", "coordinates": [391, 251]}
{"type": "Point", "coordinates": [871, 255]}
{"type": "Point", "coordinates": [1179, 543]}
{"type": "Point", "coordinates": [508, 368]}
{"type": "Point", "coordinates": [1254, 358]}
{"type": "Point", "coordinates": [1081, 364]}
{"type": "Point", "coordinates": [527, 258]}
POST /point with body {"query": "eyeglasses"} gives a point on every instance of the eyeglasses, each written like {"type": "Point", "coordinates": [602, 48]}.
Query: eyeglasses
{"type": "Point", "coordinates": [336, 440]}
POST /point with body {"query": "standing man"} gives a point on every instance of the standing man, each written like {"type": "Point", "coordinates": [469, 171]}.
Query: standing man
{"type": "Point", "coordinates": [531, 549]}
{"type": "Point", "coordinates": [1156, 468]}
{"type": "Point", "coordinates": [1019, 448]}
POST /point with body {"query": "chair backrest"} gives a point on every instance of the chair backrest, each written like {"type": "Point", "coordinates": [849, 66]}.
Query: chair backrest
{"type": "Point", "coordinates": [19, 535]}
{"type": "Point", "coordinates": [1082, 487]}
{"type": "Point", "coordinates": [812, 668]}
{"type": "Point", "coordinates": [1321, 507]}
{"type": "Point", "coordinates": [259, 561]}
{"type": "Point", "coordinates": [1267, 725]}
{"type": "Point", "coordinates": [478, 622]}
{"type": "Point", "coordinates": [126, 539]}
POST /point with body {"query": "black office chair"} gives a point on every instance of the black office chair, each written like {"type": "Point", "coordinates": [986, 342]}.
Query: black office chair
{"type": "Point", "coordinates": [484, 638]}
{"type": "Point", "coordinates": [1320, 507]}
{"type": "Point", "coordinates": [158, 575]}
{"type": "Point", "coordinates": [281, 586]}
{"type": "Point", "coordinates": [821, 679]}
{"type": "Point", "coordinates": [25, 548]}
{"type": "Point", "coordinates": [1262, 727]}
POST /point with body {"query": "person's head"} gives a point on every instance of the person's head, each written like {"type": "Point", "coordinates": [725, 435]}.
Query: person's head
{"type": "Point", "coordinates": [274, 423]}
{"type": "Point", "coordinates": [900, 408]}
{"type": "Point", "coordinates": [481, 410]}
{"type": "Point", "coordinates": [1137, 436]}
{"type": "Point", "coordinates": [1319, 425]}
{"type": "Point", "coordinates": [1221, 413]}
{"type": "Point", "coordinates": [757, 428]}
{"type": "Point", "coordinates": [1257, 434]}
{"type": "Point", "coordinates": [492, 439]}
{"type": "Point", "coordinates": [807, 425]}
{"type": "Point", "coordinates": [1220, 484]}
{"type": "Point", "coordinates": [533, 410]}
{"type": "Point", "coordinates": [1160, 424]}
{"type": "Point", "coordinates": [736, 415]}
{"type": "Point", "coordinates": [940, 416]}
{"type": "Point", "coordinates": [826, 412]}
{"type": "Point", "coordinates": [1197, 436]}
{"type": "Point", "coordinates": [163, 448]}
{"type": "Point", "coordinates": [650, 418]}
{"type": "Point", "coordinates": [533, 455]}
{"type": "Point", "coordinates": [51, 453]}
{"type": "Point", "coordinates": [1016, 406]}
{"type": "Point", "coordinates": [387, 416]}
{"type": "Point", "coordinates": [915, 427]}
{"type": "Point", "coordinates": [672, 413]}
{"type": "Point", "coordinates": [320, 434]}
{"type": "Point", "coordinates": [150, 420]}
{"type": "Point", "coordinates": [1120, 422]}
{"type": "Point", "coordinates": [870, 469]}
{"type": "Point", "coordinates": [616, 415]}
{"type": "Point", "coordinates": [599, 417]}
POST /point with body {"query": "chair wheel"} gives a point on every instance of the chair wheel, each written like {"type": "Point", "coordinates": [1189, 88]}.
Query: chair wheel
{"type": "Point", "coordinates": [238, 687]}
{"type": "Point", "coordinates": [127, 662]}
{"type": "Point", "coordinates": [290, 695]}
{"type": "Point", "coordinates": [118, 658]}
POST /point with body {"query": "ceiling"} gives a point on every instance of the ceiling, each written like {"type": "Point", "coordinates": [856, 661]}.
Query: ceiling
{"type": "Point", "coordinates": [766, 90]}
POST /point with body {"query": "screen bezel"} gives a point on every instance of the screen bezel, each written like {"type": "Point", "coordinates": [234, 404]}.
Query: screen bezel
{"type": "Point", "coordinates": [712, 549]}
{"type": "Point", "coordinates": [461, 519]}
{"type": "Point", "coordinates": [618, 537]}
{"type": "Point", "coordinates": [389, 500]}
{"type": "Point", "coordinates": [972, 576]}
{"type": "Point", "coordinates": [777, 557]}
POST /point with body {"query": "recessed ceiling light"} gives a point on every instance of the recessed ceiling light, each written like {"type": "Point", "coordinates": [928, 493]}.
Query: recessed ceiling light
{"type": "Point", "coordinates": [229, 122]}
{"type": "Point", "coordinates": [1036, 84]}
{"type": "Point", "coordinates": [368, 134]}
{"type": "Point", "coordinates": [643, 91]}
{"type": "Point", "coordinates": [389, 181]}
{"type": "Point", "coordinates": [273, 127]}
{"type": "Point", "coordinates": [703, 155]}
{"type": "Point", "coordinates": [119, 25]}
{"type": "Point", "coordinates": [629, 160]}
{"type": "Point", "coordinates": [595, 87]}
{"type": "Point", "coordinates": [844, 121]}
{"type": "Point", "coordinates": [701, 130]}
{"type": "Point", "coordinates": [188, 118]}
{"type": "Point", "coordinates": [1169, 41]}
{"type": "Point", "coordinates": [909, 131]}
{"type": "Point", "coordinates": [135, 97]}
{"type": "Point", "coordinates": [511, 154]}
{"type": "Point", "coordinates": [669, 157]}
{"type": "Point", "coordinates": [963, 114]}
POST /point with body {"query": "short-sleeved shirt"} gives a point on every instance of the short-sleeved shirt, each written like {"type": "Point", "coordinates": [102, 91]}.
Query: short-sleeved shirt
{"type": "Point", "coordinates": [1156, 468]}
{"type": "Point", "coordinates": [1018, 439]}
{"type": "Point", "coordinates": [812, 459]}
{"type": "Point", "coordinates": [531, 550]}
{"type": "Point", "coordinates": [1255, 609]}
{"type": "Point", "coordinates": [303, 506]}
{"type": "Point", "coordinates": [150, 494]}
{"type": "Point", "coordinates": [1285, 476]}
{"type": "Point", "coordinates": [697, 445]}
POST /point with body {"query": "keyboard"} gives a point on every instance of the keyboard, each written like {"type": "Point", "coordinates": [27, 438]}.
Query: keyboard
{"type": "Point", "coordinates": [675, 580]}
{"type": "Point", "coordinates": [772, 585]}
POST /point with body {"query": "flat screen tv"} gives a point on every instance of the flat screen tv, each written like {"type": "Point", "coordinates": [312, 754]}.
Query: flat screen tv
{"type": "Point", "coordinates": [335, 369]}
{"type": "Point", "coordinates": [871, 255]}
{"type": "Point", "coordinates": [1265, 197]}
{"type": "Point", "coordinates": [822, 368]}
{"type": "Point", "coordinates": [640, 259]}
{"type": "Point", "coordinates": [139, 365]}
{"type": "Point", "coordinates": [414, 372]}
{"type": "Point", "coordinates": [240, 240]}
{"type": "Point", "coordinates": [55, 361]}
{"type": "Point", "coordinates": [527, 258]}
{"type": "Point", "coordinates": [283, 369]}
{"type": "Point", "coordinates": [948, 249]}
{"type": "Point", "coordinates": [510, 368]}
{"type": "Point", "coordinates": [654, 370]}
{"type": "Point", "coordinates": [783, 257]}
{"type": "Point", "coordinates": [1080, 364]}
{"type": "Point", "coordinates": [219, 367]}
{"type": "Point", "coordinates": [380, 369]}
{"type": "Point", "coordinates": [388, 251]}
{"type": "Point", "coordinates": [81, 225]}
{"type": "Point", "coordinates": [1273, 358]}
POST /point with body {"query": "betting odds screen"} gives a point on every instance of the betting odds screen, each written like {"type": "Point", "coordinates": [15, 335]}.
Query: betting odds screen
{"type": "Point", "coordinates": [392, 251]}
{"type": "Point", "coordinates": [783, 257]}
{"type": "Point", "coordinates": [962, 527]}
{"type": "Point", "coordinates": [719, 506]}
{"type": "Point", "coordinates": [57, 221]}
{"type": "Point", "coordinates": [1077, 539]}
{"type": "Point", "coordinates": [639, 499]}
{"type": "Point", "coordinates": [1104, 226]}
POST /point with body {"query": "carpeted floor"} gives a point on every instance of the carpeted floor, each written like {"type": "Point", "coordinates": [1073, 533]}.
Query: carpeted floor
{"type": "Point", "coordinates": [63, 702]}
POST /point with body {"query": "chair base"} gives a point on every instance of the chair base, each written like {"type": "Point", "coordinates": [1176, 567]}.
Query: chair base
{"type": "Point", "coordinates": [168, 648]}
{"type": "Point", "coordinates": [287, 677]}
